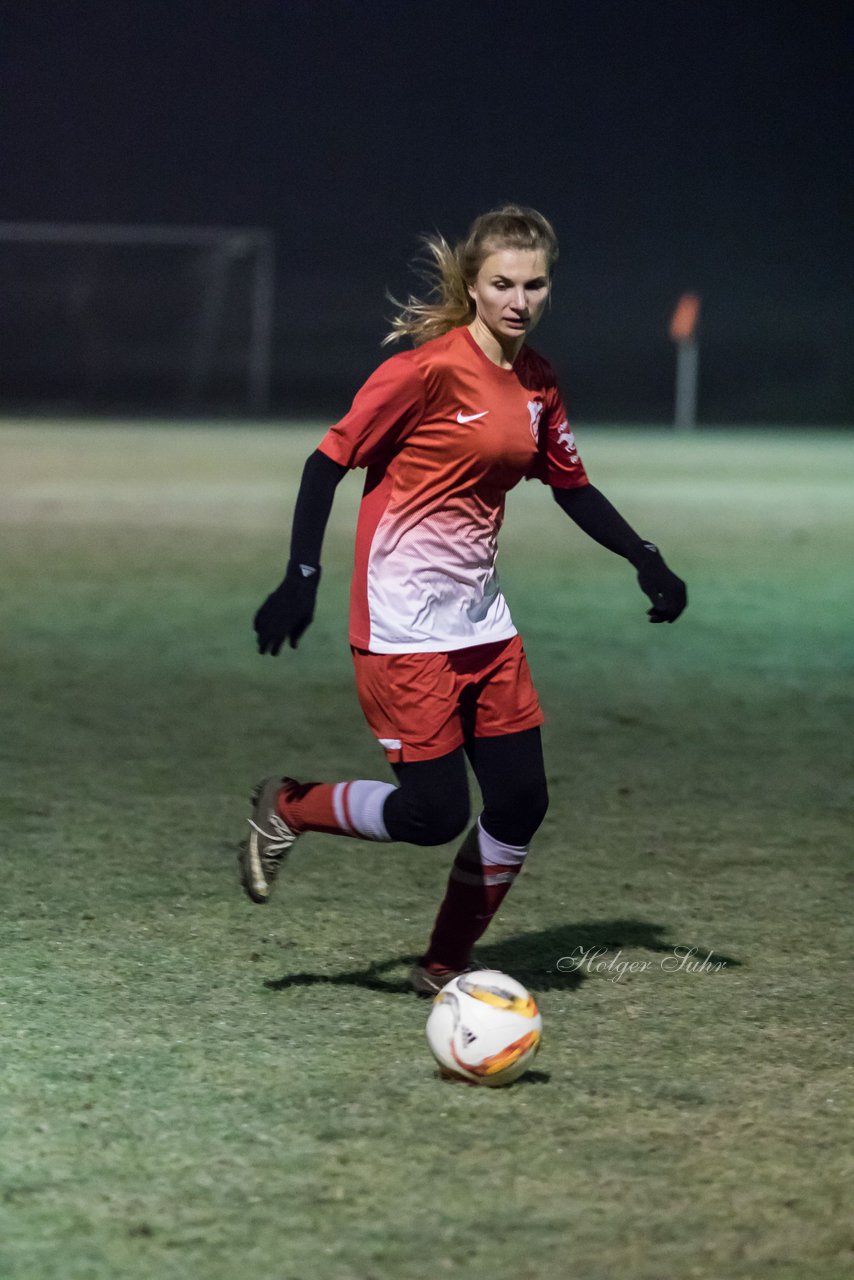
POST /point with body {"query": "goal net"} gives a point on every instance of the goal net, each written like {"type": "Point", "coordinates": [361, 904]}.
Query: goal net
{"type": "Point", "coordinates": [137, 318]}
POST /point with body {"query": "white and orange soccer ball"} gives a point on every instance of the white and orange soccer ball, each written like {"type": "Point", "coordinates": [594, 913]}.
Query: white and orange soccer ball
{"type": "Point", "coordinates": [484, 1027]}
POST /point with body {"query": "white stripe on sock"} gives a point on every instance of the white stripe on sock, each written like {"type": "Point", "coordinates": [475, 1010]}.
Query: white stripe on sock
{"type": "Point", "coordinates": [494, 853]}
{"type": "Point", "coordinates": [365, 801]}
{"type": "Point", "coordinates": [338, 805]}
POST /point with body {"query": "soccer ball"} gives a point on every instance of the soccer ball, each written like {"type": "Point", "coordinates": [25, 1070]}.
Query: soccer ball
{"type": "Point", "coordinates": [484, 1027]}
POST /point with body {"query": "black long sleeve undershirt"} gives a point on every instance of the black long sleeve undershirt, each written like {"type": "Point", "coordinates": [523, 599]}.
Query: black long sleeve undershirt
{"type": "Point", "coordinates": [586, 506]}
{"type": "Point", "coordinates": [596, 517]}
{"type": "Point", "coordinates": [320, 479]}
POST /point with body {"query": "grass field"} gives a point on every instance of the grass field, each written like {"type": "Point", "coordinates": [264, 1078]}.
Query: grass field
{"type": "Point", "coordinates": [191, 1086]}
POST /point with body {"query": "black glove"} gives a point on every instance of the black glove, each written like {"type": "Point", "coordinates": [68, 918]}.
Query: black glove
{"type": "Point", "coordinates": [289, 609]}
{"type": "Point", "coordinates": [667, 592]}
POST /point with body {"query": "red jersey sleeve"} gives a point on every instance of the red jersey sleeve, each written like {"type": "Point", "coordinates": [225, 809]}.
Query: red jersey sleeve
{"type": "Point", "coordinates": [558, 463]}
{"type": "Point", "coordinates": [385, 410]}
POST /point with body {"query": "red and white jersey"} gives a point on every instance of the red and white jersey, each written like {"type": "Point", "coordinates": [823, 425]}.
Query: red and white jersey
{"type": "Point", "coordinates": [444, 433]}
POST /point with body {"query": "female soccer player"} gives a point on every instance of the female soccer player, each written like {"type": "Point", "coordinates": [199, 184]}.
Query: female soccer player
{"type": "Point", "coordinates": [444, 430]}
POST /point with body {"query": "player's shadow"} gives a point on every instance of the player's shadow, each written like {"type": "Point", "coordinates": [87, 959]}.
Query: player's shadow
{"type": "Point", "coordinates": [549, 959]}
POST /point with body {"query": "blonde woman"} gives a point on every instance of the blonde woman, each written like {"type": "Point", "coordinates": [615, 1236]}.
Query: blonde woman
{"type": "Point", "coordinates": [444, 430]}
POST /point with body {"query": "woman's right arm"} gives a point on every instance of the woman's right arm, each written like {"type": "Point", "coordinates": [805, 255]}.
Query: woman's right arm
{"type": "Point", "coordinates": [288, 611]}
{"type": "Point", "coordinates": [385, 410]}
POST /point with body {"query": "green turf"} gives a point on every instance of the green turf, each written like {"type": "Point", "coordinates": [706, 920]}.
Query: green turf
{"type": "Point", "coordinates": [194, 1087]}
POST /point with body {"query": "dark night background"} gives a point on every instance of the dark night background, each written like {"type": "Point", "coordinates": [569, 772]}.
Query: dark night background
{"type": "Point", "coordinates": [675, 146]}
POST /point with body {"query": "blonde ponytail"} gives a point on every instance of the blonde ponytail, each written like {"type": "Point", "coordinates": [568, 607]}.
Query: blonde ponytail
{"type": "Point", "coordinates": [449, 271]}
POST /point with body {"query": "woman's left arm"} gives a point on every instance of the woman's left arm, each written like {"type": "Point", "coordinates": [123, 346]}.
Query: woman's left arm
{"type": "Point", "coordinates": [596, 517]}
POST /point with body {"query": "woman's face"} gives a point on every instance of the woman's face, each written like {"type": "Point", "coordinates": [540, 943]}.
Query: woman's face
{"type": "Point", "coordinates": [510, 291]}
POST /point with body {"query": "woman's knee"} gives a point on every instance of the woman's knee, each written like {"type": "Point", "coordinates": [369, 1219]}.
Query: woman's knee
{"type": "Point", "coordinates": [512, 779]}
{"type": "Point", "coordinates": [515, 815]}
{"type": "Point", "coordinates": [440, 826]}
{"type": "Point", "coordinates": [424, 820]}
{"type": "Point", "coordinates": [431, 805]}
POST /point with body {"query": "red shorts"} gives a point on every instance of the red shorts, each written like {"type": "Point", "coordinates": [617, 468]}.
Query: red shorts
{"type": "Point", "coordinates": [423, 705]}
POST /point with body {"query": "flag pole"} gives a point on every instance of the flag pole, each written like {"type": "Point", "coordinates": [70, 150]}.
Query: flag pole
{"type": "Point", "coordinates": [683, 331]}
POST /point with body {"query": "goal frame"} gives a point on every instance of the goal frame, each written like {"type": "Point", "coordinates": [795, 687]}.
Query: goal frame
{"type": "Point", "coordinates": [231, 241]}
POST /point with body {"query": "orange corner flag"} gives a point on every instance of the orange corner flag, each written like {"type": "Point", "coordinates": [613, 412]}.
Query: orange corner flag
{"type": "Point", "coordinates": [683, 322]}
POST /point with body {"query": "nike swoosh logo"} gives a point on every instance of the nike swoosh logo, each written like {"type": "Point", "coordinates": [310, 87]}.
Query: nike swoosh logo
{"type": "Point", "coordinates": [471, 417]}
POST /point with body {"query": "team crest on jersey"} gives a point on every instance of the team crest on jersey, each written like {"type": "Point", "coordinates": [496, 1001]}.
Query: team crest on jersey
{"type": "Point", "coordinates": [567, 439]}
{"type": "Point", "coordinates": [535, 408]}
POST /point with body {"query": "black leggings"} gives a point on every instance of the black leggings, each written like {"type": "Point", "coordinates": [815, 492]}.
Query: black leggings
{"type": "Point", "coordinates": [431, 804]}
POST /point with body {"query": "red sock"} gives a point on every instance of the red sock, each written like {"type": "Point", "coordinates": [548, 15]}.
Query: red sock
{"type": "Point", "coordinates": [475, 892]}
{"type": "Point", "coordinates": [338, 808]}
{"type": "Point", "coordinates": [307, 806]}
